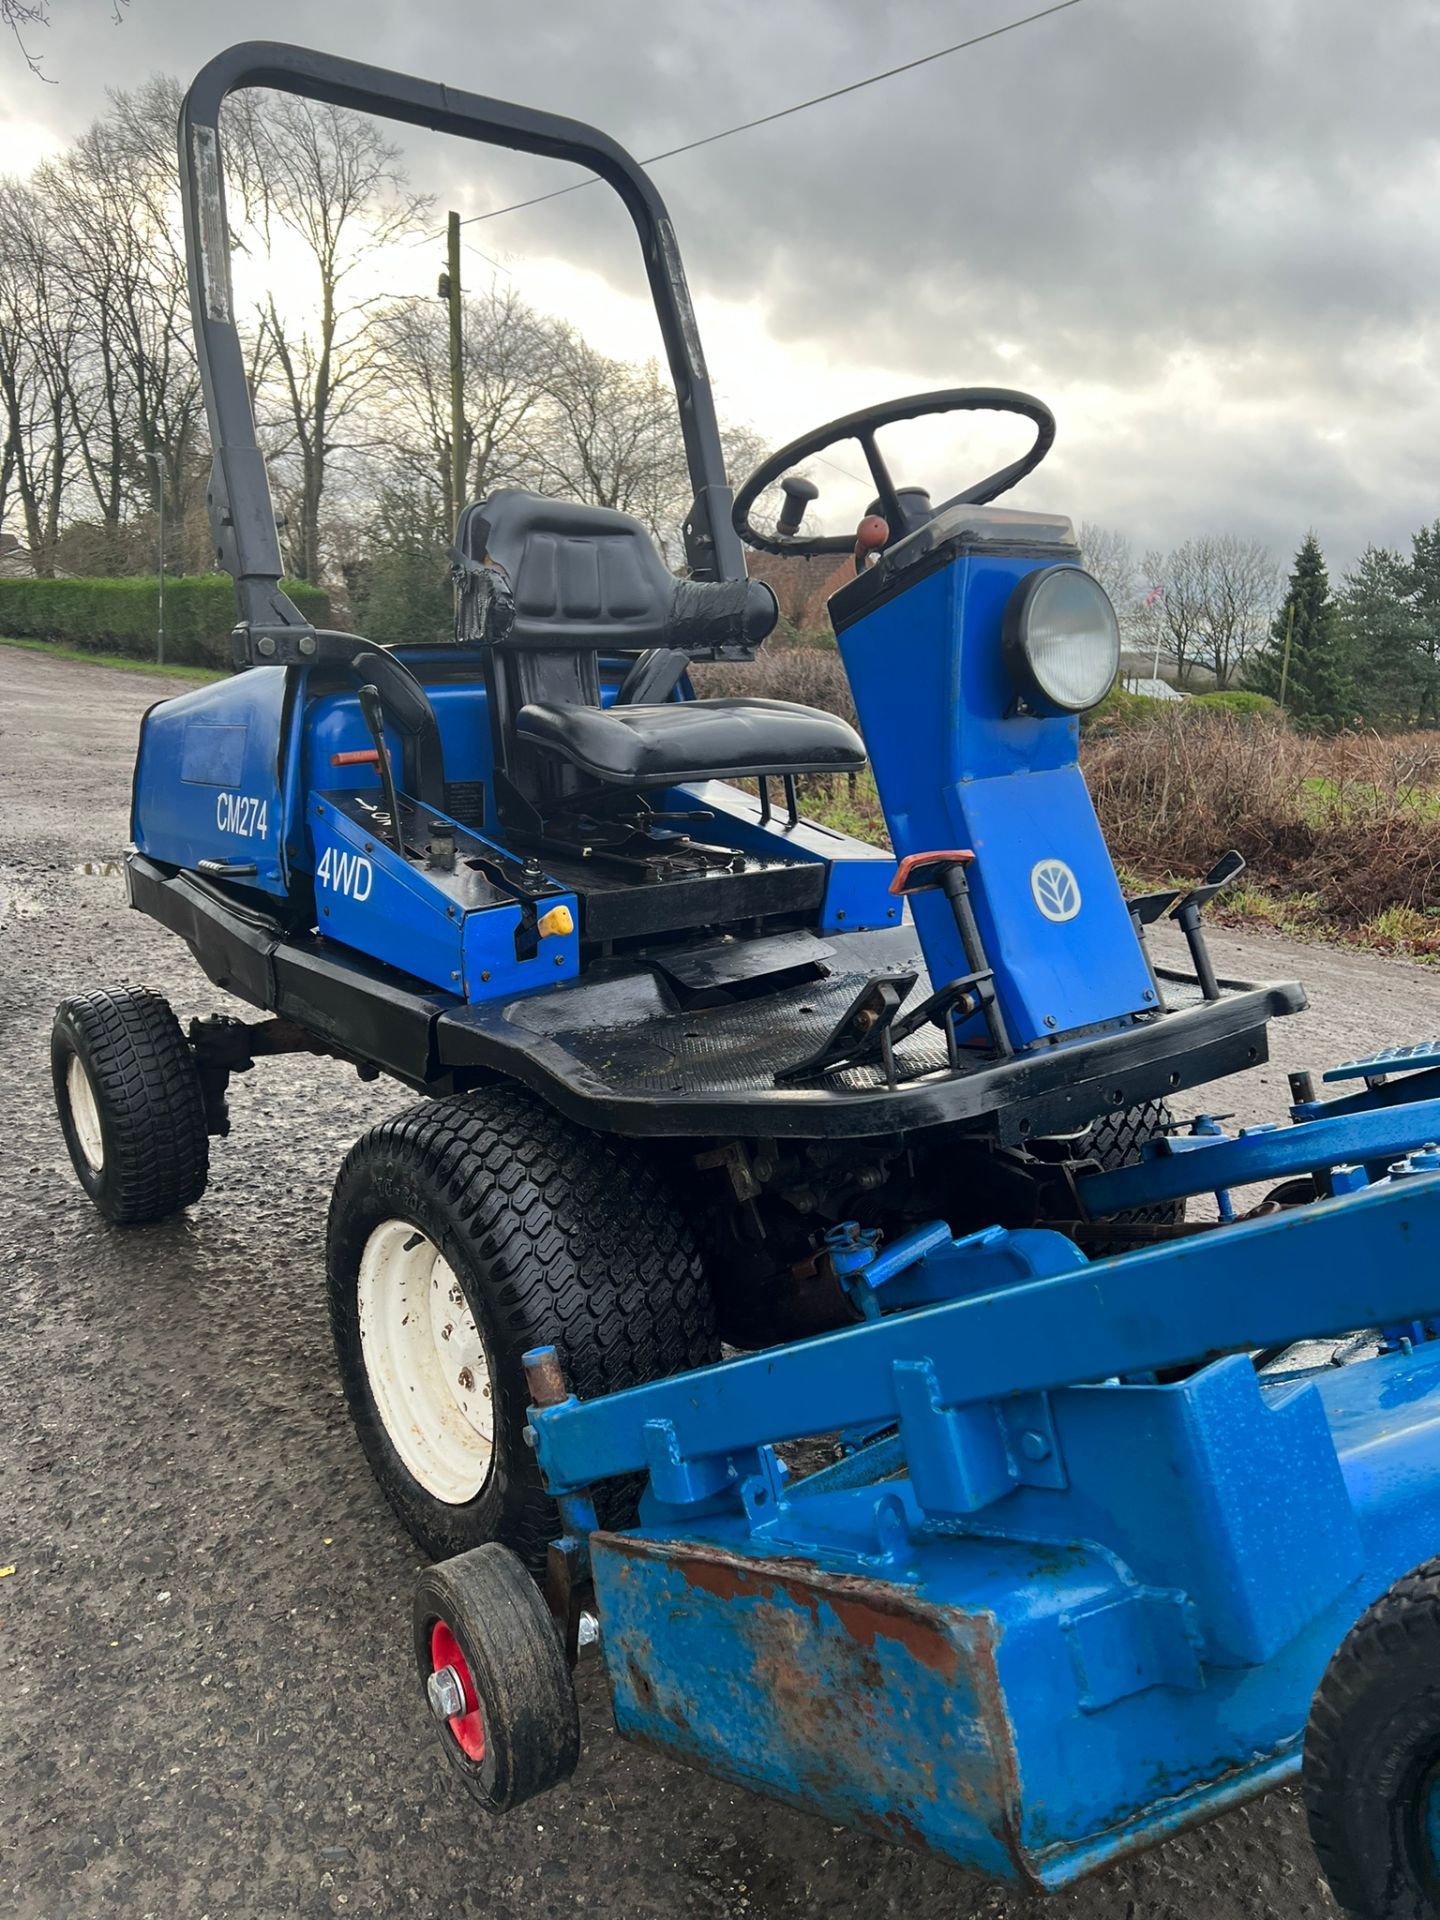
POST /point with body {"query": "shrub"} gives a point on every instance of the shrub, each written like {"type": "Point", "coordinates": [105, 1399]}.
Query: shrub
{"type": "Point", "coordinates": [1120, 709]}
{"type": "Point", "coordinates": [810, 676]}
{"type": "Point", "coordinates": [1349, 822]}
{"type": "Point", "coordinates": [406, 598]}
{"type": "Point", "coordinates": [120, 616]}
{"type": "Point", "coordinates": [1235, 700]}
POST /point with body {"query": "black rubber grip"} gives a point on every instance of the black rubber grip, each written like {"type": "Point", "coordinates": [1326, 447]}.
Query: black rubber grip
{"type": "Point", "coordinates": [721, 613]}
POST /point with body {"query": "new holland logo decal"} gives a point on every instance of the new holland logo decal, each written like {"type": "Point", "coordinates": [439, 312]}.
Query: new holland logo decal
{"type": "Point", "coordinates": [1056, 890]}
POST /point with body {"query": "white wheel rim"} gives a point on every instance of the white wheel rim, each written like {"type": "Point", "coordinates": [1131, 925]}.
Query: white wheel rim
{"type": "Point", "coordinates": [426, 1362]}
{"type": "Point", "coordinates": [84, 1114]}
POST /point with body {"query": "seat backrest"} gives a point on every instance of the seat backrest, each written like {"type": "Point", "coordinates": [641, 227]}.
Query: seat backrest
{"type": "Point", "coordinates": [583, 581]}
{"type": "Point", "coordinates": [583, 578]}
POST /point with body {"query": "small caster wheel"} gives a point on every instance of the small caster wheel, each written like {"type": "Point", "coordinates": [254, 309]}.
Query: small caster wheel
{"type": "Point", "coordinates": [1372, 1757]}
{"type": "Point", "coordinates": [130, 1102]}
{"type": "Point", "coordinates": [495, 1677]}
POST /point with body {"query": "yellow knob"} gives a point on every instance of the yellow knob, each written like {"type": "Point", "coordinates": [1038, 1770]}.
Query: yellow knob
{"type": "Point", "coordinates": [557, 920]}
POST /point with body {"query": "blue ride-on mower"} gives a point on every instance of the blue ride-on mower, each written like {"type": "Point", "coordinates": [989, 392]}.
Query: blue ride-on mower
{"type": "Point", "coordinates": [785, 1287]}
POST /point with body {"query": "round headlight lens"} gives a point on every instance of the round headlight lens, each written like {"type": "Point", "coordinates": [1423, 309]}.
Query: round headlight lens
{"type": "Point", "coordinates": [1062, 640]}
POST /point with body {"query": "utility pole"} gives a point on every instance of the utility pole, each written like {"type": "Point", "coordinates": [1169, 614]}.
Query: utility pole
{"type": "Point", "coordinates": [1285, 656]}
{"type": "Point", "coordinates": [156, 455]}
{"type": "Point", "coordinates": [450, 293]}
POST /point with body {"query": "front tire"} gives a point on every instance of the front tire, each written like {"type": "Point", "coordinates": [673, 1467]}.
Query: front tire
{"type": "Point", "coordinates": [464, 1233]}
{"type": "Point", "coordinates": [1372, 1757]}
{"type": "Point", "coordinates": [481, 1626]}
{"type": "Point", "coordinates": [131, 1108]}
{"type": "Point", "coordinates": [1118, 1140]}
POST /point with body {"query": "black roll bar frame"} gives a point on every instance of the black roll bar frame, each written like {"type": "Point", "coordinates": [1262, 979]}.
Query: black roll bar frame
{"type": "Point", "coordinates": [242, 514]}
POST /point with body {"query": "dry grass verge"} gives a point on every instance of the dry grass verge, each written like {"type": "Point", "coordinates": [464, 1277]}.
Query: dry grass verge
{"type": "Point", "coordinates": [1342, 835]}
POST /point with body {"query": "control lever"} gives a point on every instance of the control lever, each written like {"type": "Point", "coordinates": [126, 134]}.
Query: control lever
{"type": "Point", "coordinates": [944, 872]}
{"type": "Point", "coordinates": [373, 715]}
{"type": "Point", "coordinates": [798, 493]}
{"type": "Point", "coordinates": [1187, 917]}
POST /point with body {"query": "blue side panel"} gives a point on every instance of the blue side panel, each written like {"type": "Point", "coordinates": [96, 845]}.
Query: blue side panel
{"type": "Point", "coordinates": [857, 891]}
{"type": "Point", "coordinates": [367, 897]}
{"type": "Point", "coordinates": [208, 778]}
{"type": "Point", "coordinates": [425, 921]}
{"type": "Point", "coordinates": [333, 725]}
{"type": "Point", "coordinates": [956, 768]}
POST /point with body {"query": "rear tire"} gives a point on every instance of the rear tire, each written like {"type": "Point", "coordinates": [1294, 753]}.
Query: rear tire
{"type": "Point", "coordinates": [464, 1233]}
{"type": "Point", "coordinates": [130, 1103]}
{"type": "Point", "coordinates": [1372, 1757]}
{"type": "Point", "coordinates": [518, 1734]}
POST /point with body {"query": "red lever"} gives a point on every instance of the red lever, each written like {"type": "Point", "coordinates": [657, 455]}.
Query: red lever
{"type": "Point", "coordinates": [901, 883]}
{"type": "Point", "coordinates": [358, 757]}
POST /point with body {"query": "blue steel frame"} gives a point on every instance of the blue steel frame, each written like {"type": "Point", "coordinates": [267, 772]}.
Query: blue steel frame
{"type": "Point", "coordinates": [1322, 1140]}
{"type": "Point", "coordinates": [1037, 1623]}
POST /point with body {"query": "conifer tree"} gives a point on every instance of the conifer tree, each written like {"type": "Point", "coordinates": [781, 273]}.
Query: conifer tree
{"type": "Point", "coordinates": [1303, 667]}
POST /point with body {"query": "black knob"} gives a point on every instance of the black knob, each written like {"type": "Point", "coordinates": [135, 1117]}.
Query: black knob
{"type": "Point", "coordinates": [798, 494]}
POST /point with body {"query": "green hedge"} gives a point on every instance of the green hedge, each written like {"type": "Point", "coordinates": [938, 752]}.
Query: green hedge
{"type": "Point", "coordinates": [119, 616]}
{"type": "Point", "coordinates": [1236, 700]}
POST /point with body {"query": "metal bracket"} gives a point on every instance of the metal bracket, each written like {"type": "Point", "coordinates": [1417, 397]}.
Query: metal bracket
{"type": "Point", "coordinates": [861, 1032]}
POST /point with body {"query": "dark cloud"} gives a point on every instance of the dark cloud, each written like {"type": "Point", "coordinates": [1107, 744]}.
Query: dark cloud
{"type": "Point", "coordinates": [1211, 233]}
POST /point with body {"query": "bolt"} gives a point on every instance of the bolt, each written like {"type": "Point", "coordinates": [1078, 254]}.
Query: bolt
{"type": "Point", "coordinates": [446, 1693]}
{"type": "Point", "coordinates": [1051, 1021]}
{"type": "Point", "coordinates": [484, 976]}
{"type": "Point", "coordinates": [587, 1632]}
{"type": "Point", "coordinates": [1034, 1445]}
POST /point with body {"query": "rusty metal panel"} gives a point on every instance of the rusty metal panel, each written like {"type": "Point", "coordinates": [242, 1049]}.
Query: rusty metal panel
{"type": "Point", "coordinates": [847, 1696]}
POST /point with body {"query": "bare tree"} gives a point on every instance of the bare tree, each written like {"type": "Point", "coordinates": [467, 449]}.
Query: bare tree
{"type": "Point", "coordinates": [1211, 603]}
{"type": "Point", "coordinates": [1109, 556]}
{"type": "Point", "coordinates": [506, 357]}
{"type": "Point", "coordinates": [330, 178]}
{"type": "Point", "coordinates": [133, 383]}
{"type": "Point", "coordinates": [40, 323]}
{"type": "Point", "coordinates": [21, 17]}
{"type": "Point", "coordinates": [608, 432]}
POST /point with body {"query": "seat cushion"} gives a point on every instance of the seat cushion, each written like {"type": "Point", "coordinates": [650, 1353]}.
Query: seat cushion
{"type": "Point", "coordinates": [693, 740]}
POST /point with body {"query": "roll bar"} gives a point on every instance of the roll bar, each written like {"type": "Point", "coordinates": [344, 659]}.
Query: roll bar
{"type": "Point", "coordinates": [242, 516]}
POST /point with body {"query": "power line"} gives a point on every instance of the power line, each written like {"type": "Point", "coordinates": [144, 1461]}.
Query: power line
{"type": "Point", "coordinates": [782, 113]}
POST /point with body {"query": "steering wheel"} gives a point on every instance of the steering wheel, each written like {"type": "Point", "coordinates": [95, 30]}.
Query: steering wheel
{"type": "Point", "coordinates": [862, 427]}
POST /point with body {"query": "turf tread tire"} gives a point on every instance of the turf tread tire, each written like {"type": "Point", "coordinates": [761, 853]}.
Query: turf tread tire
{"type": "Point", "coordinates": [1374, 1724]}
{"type": "Point", "coordinates": [556, 1235]}
{"type": "Point", "coordinates": [1116, 1140]}
{"type": "Point", "coordinates": [518, 1668]}
{"type": "Point", "coordinates": [149, 1099]}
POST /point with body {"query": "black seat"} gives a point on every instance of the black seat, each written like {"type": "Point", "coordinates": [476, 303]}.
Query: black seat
{"type": "Point", "coordinates": [550, 586]}
{"type": "Point", "coordinates": [692, 740]}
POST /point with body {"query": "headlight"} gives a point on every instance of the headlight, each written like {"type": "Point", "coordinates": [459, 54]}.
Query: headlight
{"type": "Point", "coordinates": [1061, 639]}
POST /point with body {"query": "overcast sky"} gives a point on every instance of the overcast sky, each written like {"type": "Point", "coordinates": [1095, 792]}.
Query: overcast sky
{"type": "Point", "coordinates": [1208, 234]}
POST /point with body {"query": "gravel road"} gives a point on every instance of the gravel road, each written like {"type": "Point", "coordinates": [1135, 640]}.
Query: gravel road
{"type": "Point", "coordinates": [206, 1698]}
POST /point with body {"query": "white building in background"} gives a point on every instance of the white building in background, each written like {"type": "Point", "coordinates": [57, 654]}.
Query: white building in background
{"type": "Point", "coordinates": [1152, 689]}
